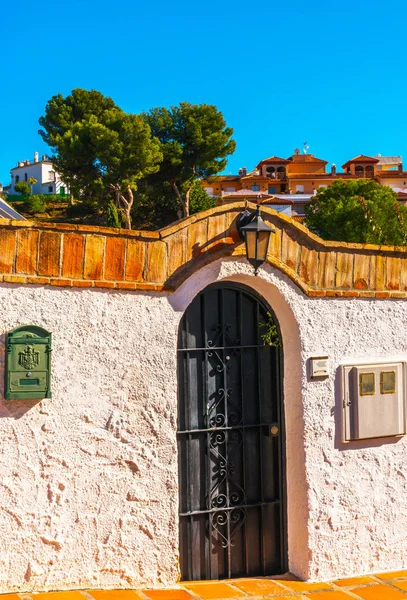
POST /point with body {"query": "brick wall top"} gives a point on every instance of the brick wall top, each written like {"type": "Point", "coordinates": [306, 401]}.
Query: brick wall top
{"type": "Point", "coordinates": [102, 257]}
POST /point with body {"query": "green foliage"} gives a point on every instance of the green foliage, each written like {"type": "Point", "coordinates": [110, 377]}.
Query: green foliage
{"type": "Point", "coordinates": [74, 156]}
{"type": "Point", "coordinates": [99, 149]}
{"type": "Point", "coordinates": [199, 199]}
{"type": "Point", "coordinates": [155, 208]}
{"type": "Point", "coordinates": [112, 216]}
{"type": "Point", "coordinates": [35, 203]}
{"type": "Point", "coordinates": [358, 211]}
{"type": "Point", "coordinates": [22, 187]}
{"type": "Point", "coordinates": [82, 209]}
{"type": "Point", "coordinates": [55, 197]}
{"type": "Point", "coordinates": [270, 336]}
{"type": "Point", "coordinates": [147, 164]}
{"type": "Point", "coordinates": [195, 142]}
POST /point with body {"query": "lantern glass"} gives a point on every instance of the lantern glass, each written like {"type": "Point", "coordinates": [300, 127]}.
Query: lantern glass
{"type": "Point", "coordinates": [251, 238]}
{"type": "Point", "coordinates": [262, 245]}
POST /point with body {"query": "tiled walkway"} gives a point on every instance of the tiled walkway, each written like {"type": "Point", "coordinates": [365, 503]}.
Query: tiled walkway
{"type": "Point", "coordinates": [386, 586]}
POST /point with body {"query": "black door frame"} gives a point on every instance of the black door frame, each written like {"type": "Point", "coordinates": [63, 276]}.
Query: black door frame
{"type": "Point", "coordinates": [283, 478]}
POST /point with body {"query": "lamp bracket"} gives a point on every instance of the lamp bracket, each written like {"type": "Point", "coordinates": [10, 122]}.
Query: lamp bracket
{"type": "Point", "coordinates": [244, 219]}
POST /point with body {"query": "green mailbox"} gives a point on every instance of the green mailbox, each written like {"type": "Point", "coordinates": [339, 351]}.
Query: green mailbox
{"type": "Point", "coordinates": [28, 363]}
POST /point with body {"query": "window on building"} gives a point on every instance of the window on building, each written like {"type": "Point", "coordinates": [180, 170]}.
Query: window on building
{"type": "Point", "coordinates": [272, 190]}
{"type": "Point", "coordinates": [209, 191]}
{"type": "Point", "coordinates": [230, 189]}
{"type": "Point", "coordinates": [50, 189]}
{"type": "Point", "coordinates": [25, 177]}
{"type": "Point", "coordinates": [299, 189]}
{"type": "Point", "coordinates": [17, 178]}
{"type": "Point", "coordinates": [322, 187]}
{"type": "Point", "coordinates": [255, 188]}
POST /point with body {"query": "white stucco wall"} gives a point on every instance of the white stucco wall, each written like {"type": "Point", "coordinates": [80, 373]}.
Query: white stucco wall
{"type": "Point", "coordinates": [41, 172]}
{"type": "Point", "coordinates": [88, 485]}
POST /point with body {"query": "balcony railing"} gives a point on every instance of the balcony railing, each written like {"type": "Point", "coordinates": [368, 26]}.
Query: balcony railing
{"type": "Point", "coordinates": [276, 175]}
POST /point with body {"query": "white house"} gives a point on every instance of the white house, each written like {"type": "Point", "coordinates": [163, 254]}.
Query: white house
{"type": "Point", "coordinates": [48, 180]}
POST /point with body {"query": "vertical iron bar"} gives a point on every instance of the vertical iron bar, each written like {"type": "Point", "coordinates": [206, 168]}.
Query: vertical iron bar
{"type": "Point", "coordinates": [187, 417]}
{"type": "Point", "coordinates": [208, 540]}
{"type": "Point", "coordinates": [279, 375]}
{"type": "Point", "coordinates": [260, 438]}
{"type": "Point", "coordinates": [225, 387]}
{"type": "Point", "coordinates": [244, 528]}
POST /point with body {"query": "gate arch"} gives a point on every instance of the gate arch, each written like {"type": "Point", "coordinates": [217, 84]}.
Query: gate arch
{"type": "Point", "coordinates": [230, 437]}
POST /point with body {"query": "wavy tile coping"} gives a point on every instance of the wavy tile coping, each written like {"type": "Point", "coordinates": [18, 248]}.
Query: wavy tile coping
{"type": "Point", "coordinates": [102, 257]}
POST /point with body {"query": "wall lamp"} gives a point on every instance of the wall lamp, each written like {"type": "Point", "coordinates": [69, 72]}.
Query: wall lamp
{"type": "Point", "coordinates": [256, 235]}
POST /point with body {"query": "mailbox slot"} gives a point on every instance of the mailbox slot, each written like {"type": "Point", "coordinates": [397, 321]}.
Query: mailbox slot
{"type": "Point", "coordinates": [28, 363]}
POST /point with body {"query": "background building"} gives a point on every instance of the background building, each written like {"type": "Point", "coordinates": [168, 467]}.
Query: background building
{"type": "Point", "coordinates": [48, 180]}
{"type": "Point", "coordinates": [302, 175]}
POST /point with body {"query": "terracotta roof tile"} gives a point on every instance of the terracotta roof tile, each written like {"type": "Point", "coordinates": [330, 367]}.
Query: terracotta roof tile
{"type": "Point", "coordinates": [273, 160]}
{"type": "Point", "coordinates": [362, 158]}
{"type": "Point", "coordinates": [246, 194]}
{"type": "Point", "coordinates": [279, 201]}
{"type": "Point", "coordinates": [391, 174]}
{"type": "Point", "coordinates": [256, 177]}
{"type": "Point", "coordinates": [306, 158]}
{"type": "Point", "coordinates": [322, 176]}
{"type": "Point", "coordinates": [217, 178]}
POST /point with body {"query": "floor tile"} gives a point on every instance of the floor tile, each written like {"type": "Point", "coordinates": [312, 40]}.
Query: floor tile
{"type": "Point", "coordinates": [392, 575]}
{"type": "Point", "coordinates": [168, 594]}
{"type": "Point", "coordinates": [110, 595]}
{"type": "Point", "coordinates": [354, 581]}
{"type": "Point", "coordinates": [57, 596]}
{"type": "Point", "coordinates": [303, 586]}
{"type": "Point", "coordinates": [288, 597]}
{"type": "Point", "coordinates": [213, 590]}
{"type": "Point", "coordinates": [379, 592]}
{"type": "Point", "coordinates": [258, 587]}
{"type": "Point", "coordinates": [329, 596]}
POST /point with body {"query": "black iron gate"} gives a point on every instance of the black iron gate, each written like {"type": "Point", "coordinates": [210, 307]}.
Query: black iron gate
{"type": "Point", "coordinates": [230, 439]}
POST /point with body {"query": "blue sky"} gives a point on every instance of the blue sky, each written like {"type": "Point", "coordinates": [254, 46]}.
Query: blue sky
{"type": "Point", "coordinates": [282, 73]}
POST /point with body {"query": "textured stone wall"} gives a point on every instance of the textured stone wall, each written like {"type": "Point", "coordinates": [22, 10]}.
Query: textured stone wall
{"type": "Point", "coordinates": [88, 486]}
{"type": "Point", "coordinates": [81, 256]}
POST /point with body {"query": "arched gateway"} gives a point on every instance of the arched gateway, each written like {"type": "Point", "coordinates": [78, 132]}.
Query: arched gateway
{"type": "Point", "coordinates": [230, 437]}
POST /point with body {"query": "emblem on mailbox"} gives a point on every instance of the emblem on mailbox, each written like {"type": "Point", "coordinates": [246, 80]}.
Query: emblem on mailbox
{"type": "Point", "coordinates": [28, 363]}
{"type": "Point", "coordinates": [29, 358]}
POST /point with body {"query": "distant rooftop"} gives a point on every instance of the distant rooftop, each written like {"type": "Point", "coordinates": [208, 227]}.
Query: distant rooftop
{"type": "Point", "coordinates": [389, 160]}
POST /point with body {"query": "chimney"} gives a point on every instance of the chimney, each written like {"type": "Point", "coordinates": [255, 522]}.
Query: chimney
{"type": "Point", "coordinates": [333, 169]}
{"type": "Point", "coordinates": [243, 172]}
{"type": "Point", "coordinates": [35, 157]}
{"type": "Point", "coordinates": [26, 162]}
{"type": "Point", "coordinates": [44, 157]}
{"type": "Point", "coordinates": [400, 167]}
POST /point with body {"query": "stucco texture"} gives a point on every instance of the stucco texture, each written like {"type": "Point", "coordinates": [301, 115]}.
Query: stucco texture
{"type": "Point", "coordinates": [88, 486]}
